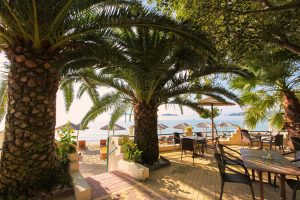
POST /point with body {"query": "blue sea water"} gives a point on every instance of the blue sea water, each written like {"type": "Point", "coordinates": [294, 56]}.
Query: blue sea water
{"type": "Point", "coordinates": [95, 134]}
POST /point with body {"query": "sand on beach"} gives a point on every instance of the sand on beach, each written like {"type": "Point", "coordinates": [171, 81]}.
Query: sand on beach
{"type": "Point", "coordinates": [89, 162]}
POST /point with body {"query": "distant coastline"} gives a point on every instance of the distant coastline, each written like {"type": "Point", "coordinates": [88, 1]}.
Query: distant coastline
{"type": "Point", "coordinates": [236, 114]}
{"type": "Point", "coordinates": [169, 115]}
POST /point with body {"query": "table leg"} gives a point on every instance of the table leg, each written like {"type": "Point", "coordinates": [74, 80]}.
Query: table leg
{"type": "Point", "coordinates": [261, 185]}
{"type": "Point", "coordinates": [282, 187]}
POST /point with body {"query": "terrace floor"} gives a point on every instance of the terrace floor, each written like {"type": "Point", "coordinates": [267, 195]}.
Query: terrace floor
{"type": "Point", "coordinates": [187, 180]}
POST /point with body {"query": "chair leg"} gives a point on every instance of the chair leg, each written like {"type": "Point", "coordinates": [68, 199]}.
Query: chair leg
{"type": "Point", "coordinates": [282, 148]}
{"type": "Point", "coordinates": [181, 154]}
{"type": "Point", "coordinates": [253, 175]}
{"type": "Point", "coordinates": [252, 192]}
{"type": "Point", "coordinates": [274, 183]}
{"type": "Point", "coordinates": [294, 194]}
{"type": "Point", "coordinates": [269, 178]}
{"type": "Point", "coordinates": [222, 187]}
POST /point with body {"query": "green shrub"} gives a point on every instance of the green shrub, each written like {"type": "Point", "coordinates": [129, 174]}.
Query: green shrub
{"type": "Point", "coordinates": [68, 144]}
{"type": "Point", "coordinates": [131, 152]}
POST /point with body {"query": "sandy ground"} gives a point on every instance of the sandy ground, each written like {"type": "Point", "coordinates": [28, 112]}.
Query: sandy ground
{"type": "Point", "coordinates": [90, 162]}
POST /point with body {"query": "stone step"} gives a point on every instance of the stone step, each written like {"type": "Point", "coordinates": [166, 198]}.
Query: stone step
{"type": "Point", "coordinates": [82, 189]}
{"type": "Point", "coordinates": [103, 185]}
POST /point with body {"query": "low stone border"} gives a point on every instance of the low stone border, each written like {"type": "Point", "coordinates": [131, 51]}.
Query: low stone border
{"type": "Point", "coordinates": [162, 162]}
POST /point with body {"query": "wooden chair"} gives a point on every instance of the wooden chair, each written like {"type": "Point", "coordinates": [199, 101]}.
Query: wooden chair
{"type": "Point", "coordinates": [82, 144]}
{"type": "Point", "coordinates": [234, 176]}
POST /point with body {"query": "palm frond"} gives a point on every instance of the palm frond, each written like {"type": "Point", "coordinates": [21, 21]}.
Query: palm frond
{"type": "Point", "coordinates": [68, 93]}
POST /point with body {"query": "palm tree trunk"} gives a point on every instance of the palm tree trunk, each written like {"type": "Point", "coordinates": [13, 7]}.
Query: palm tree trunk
{"type": "Point", "coordinates": [28, 155]}
{"type": "Point", "coordinates": [291, 106]}
{"type": "Point", "coordinates": [145, 136]}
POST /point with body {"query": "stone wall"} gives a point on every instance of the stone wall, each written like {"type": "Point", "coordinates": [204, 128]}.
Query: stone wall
{"type": "Point", "coordinates": [116, 161]}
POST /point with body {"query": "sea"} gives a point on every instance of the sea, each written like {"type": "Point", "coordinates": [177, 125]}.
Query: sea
{"type": "Point", "coordinates": [94, 133]}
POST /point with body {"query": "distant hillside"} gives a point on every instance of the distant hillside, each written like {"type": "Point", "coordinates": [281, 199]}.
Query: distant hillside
{"type": "Point", "coordinates": [236, 114]}
{"type": "Point", "coordinates": [169, 115]}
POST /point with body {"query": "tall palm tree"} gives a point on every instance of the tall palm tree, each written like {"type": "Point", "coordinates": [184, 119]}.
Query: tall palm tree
{"type": "Point", "coordinates": [155, 68]}
{"type": "Point", "coordinates": [36, 36]}
{"type": "Point", "coordinates": [273, 93]}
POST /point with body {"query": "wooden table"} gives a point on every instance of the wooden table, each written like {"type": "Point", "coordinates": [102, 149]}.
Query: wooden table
{"type": "Point", "coordinates": [252, 159]}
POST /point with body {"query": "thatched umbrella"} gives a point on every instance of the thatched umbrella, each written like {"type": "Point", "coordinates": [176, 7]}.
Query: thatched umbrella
{"type": "Point", "coordinates": [226, 124]}
{"type": "Point", "coordinates": [161, 127]}
{"type": "Point", "coordinates": [116, 127]}
{"type": "Point", "coordinates": [181, 126]}
{"type": "Point", "coordinates": [212, 102]}
{"type": "Point", "coordinates": [204, 125]}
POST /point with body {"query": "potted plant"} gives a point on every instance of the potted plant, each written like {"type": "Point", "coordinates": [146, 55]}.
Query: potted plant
{"type": "Point", "coordinates": [188, 131]}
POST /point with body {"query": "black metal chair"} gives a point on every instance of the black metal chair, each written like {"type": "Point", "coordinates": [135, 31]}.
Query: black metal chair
{"type": "Point", "coordinates": [200, 134]}
{"type": "Point", "coordinates": [248, 139]}
{"type": "Point", "coordinates": [234, 176]}
{"type": "Point", "coordinates": [188, 144]}
{"type": "Point", "coordinates": [275, 141]}
{"type": "Point", "coordinates": [292, 183]}
{"type": "Point", "coordinates": [211, 143]}
{"type": "Point", "coordinates": [177, 138]}
{"type": "Point", "coordinates": [227, 151]}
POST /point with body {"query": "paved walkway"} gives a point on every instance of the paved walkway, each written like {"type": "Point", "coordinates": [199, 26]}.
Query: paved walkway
{"type": "Point", "coordinates": [187, 180]}
{"type": "Point", "coordinates": [107, 183]}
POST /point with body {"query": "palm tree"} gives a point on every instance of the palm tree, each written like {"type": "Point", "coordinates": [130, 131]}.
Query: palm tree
{"type": "Point", "coordinates": [36, 36]}
{"type": "Point", "coordinates": [155, 68]}
{"type": "Point", "coordinates": [273, 93]}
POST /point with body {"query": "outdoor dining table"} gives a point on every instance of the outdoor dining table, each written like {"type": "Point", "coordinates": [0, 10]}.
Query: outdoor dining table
{"type": "Point", "coordinates": [199, 140]}
{"type": "Point", "coordinates": [252, 159]}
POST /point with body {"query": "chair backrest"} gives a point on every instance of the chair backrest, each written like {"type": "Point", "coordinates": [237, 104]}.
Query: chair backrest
{"type": "Point", "coordinates": [221, 164]}
{"type": "Point", "coordinates": [176, 138]}
{"type": "Point", "coordinates": [296, 143]}
{"type": "Point", "coordinates": [221, 149]}
{"type": "Point", "coordinates": [278, 139]}
{"type": "Point", "coordinates": [245, 136]}
{"type": "Point", "coordinates": [102, 143]}
{"type": "Point", "coordinates": [200, 134]}
{"type": "Point", "coordinates": [187, 144]}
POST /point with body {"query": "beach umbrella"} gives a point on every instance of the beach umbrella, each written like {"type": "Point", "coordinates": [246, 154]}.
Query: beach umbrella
{"type": "Point", "coordinates": [161, 127]}
{"type": "Point", "coordinates": [204, 125]}
{"type": "Point", "coordinates": [116, 127]}
{"type": "Point", "coordinates": [225, 125]}
{"type": "Point", "coordinates": [181, 126]}
{"type": "Point", "coordinates": [213, 102]}
{"type": "Point", "coordinates": [75, 127]}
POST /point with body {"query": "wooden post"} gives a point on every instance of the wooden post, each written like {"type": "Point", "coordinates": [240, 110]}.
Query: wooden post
{"type": "Point", "coordinates": [212, 121]}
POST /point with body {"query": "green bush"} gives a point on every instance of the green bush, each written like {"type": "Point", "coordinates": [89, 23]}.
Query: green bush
{"type": "Point", "coordinates": [68, 145]}
{"type": "Point", "coordinates": [131, 152]}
